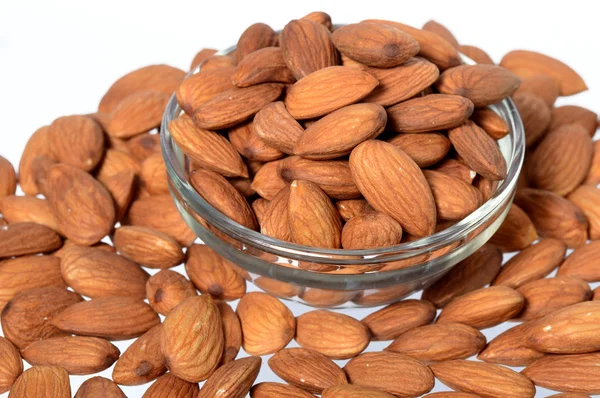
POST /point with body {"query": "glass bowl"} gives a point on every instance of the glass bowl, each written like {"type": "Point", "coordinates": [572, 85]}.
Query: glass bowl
{"type": "Point", "coordinates": [337, 277]}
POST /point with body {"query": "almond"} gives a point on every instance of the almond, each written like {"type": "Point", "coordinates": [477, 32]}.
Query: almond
{"type": "Point", "coordinates": [483, 308]}
{"type": "Point", "coordinates": [267, 182]}
{"type": "Point", "coordinates": [313, 219]}
{"type": "Point", "coordinates": [335, 335]}
{"type": "Point", "coordinates": [472, 273]}
{"type": "Point", "coordinates": [451, 394]}
{"type": "Point", "coordinates": [147, 246]}
{"type": "Point", "coordinates": [402, 82]}
{"type": "Point", "coordinates": [23, 238]}
{"type": "Point", "coordinates": [370, 230]}
{"type": "Point", "coordinates": [350, 391]}
{"type": "Point", "coordinates": [218, 62]}
{"type": "Point", "coordinates": [262, 66]}
{"type": "Point", "coordinates": [122, 188]}
{"type": "Point", "coordinates": [442, 31]}
{"type": "Point", "coordinates": [113, 318]}
{"type": "Point", "coordinates": [454, 199]}
{"type": "Point", "coordinates": [276, 127]}
{"type": "Point", "coordinates": [586, 198]}
{"type": "Point", "coordinates": [593, 176]}
{"type": "Point", "coordinates": [508, 348]}
{"type": "Point", "coordinates": [213, 274]}
{"type": "Point", "coordinates": [491, 122]}
{"type": "Point", "coordinates": [209, 149]}
{"type": "Point", "coordinates": [516, 232]}
{"type": "Point", "coordinates": [425, 149]}
{"type": "Point", "coordinates": [257, 36]}
{"type": "Point", "coordinates": [394, 373]}
{"type": "Point", "coordinates": [153, 175]}
{"type": "Point", "coordinates": [138, 113]}
{"type": "Point", "coordinates": [278, 288]}
{"type": "Point", "coordinates": [116, 161]}
{"type": "Point", "coordinates": [270, 390]}
{"type": "Point", "coordinates": [143, 145]}
{"type": "Point", "coordinates": [476, 54]}
{"type": "Point", "coordinates": [458, 169]}
{"type": "Point", "coordinates": [306, 369]}
{"type": "Point", "coordinates": [485, 379]}
{"type": "Point", "coordinates": [554, 216]}
{"type": "Point", "coordinates": [234, 106]}
{"type": "Point", "coordinates": [535, 115]}
{"type": "Point", "coordinates": [352, 207]}
{"type": "Point", "coordinates": [573, 114]}
{"type": "Point", "coordinates": [429, 113]}
{"type": "Point", "coordinates": [561, 160]}
{"type": "Point", "coordinates": [486, 186]}
{"type": "Point", "coordinates": [542, 86]}
{"type": "Point", "coordinates": [11, 365]}
{"type": "Point", "coordinates": [270, 332]}
{"type": "Point", "coordinates": [375, 44]}
{"type": "Point", "coordinates": [576, 373]}
{"type": "Point", "coordinates": [171, 385]}
{"type": "Point", "coordinates": [396, 319]}
{"type": "Point", "coordinates": [327, 90]}
{"type": "Point", "coordinates": [276, 218]}
{"type": "Point", "coordinates": [319, 17]}
{"type": "Point", "coordinates": [42, 381]}
{"type": "Point", "coordinates": [326, 297]}
{"type": "Point", "coordinates": [142, 361]}
{"type": "Point", "coordinates": [99, 386]}
{"type": "Point", "coordinates": [583, 263]}
{"type": "Point", "coordinates": [245, 140]}
{"type": "Point", "coordinates": [201, 56]}
{"type": "Point", "coordinates": [232, 332]}
{"type": "Point", "coordinates": [8, 178]}
{"type": "Point", "coordinates": [37, 145]}
{"type": "Point", "coordinates": [76, 140]}
{"type": "Point", "coordinates": [528, 63]}
{"type": "Point", "coordinates": [166, 289]}
{"type": "Point", "coordinates": [232, 380]}
{"type": "Point", "coordinates": [546, 295]}
{"type": "Point", "coordinates": [203, 86]}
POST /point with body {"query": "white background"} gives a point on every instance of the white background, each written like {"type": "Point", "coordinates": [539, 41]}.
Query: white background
{"type": "Point", "coordinates": [59, 57]}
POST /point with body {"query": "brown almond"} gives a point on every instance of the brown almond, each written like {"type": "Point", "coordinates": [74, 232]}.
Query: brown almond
{"type": "Point", "coordinates": [24, 238]}
{"type": "Point", "coordinates": [142, 361]}
{"type": "Point", "coordinates": [335, 335]}
{"type": "Point", "coordinates": [8, 178]}
{"type": "Point", "coordinates": [37, 145]}
{"type": "Point", "coordinates": [351, 391]}
{"type": "Point", "coordinates": [306, 369]}
{"type": "Point", "coordinates": [583, 263]}
{"type": "Point", "coordinates": [255, 37]}
{"type": "Point", "coordinates": [454, 199]}
{"type": "Point", "coordinates": [554, 216]}
{"type": "Point", "coordinates": [319, 17]}
{"type": "Point", "coordinates": [244, 138]}
{"type": "Point", "coordinates": [278, 288]}
{"type": "Point", "coordinates": [586, 198]}
{"type": "Point", "coordinates": [76, 140]}
{"type": "Point", "coordinates": [276, 218]}
{"type": "Point", "coordinates": [170, 384]}
{"type": "Point", "coordinates": [232, 380]}
{"type": "Point", "coordinates": [570, 395]}
{"type": "Point", "coordinates": [373, 229]}
{"type": "Point", "coordinates": [138, 113]}
{"type": "Point", "coordinates": [543, 296]}
{"type": "Point", "coordinates": [439, 342]}
{"type": "Point", "coordinates": [352, 207]}
{"type": "Point", "coordinates": [42, 381]}
{"type": "Point", "coordinates": [122, 188]}
{"type": "Point", "coordinates": [482, 378]}
{"type": "Point", "coordinates": [429, 113]}
{"type": "Point", "coordinates": [396, 319]}
{"type": "Point", "coordinates": [472, 273]}
{"type": "Point", "coordinates": [451, 394]}
{"type": "Point", "coordinates": [542, 86]}
{"type": "Point", "coordinates": [442, 31]}
{"type": "Point", "coordinates": [40, 167]}
{"type": "Point", "coordinates": [213, 274]}
{"type": "Point", "coordinates": [276, 127]}
{"type": "Point", "coordinates": [425, 149]}
{"type": "Point", "coordinates": [516, 232]}
{"type": "Point", "coordinates": [267, 182]}
{"type": "Point", "coordinates": [483, 308]}
{"type": "Point", "coordinates": [486, 186]}
{"type": "Point", "coordinates": [116, 161]}
{"type": "Point", "coordinates": [535, 115]}
{"type": "Point", "coordinates": [458, 169]}
{"type": "Point", "coordinates": [491, 122]}
{"type": "Point", "coordinates": [313, 219]}
{"type": "Point", "coordinates": [573, 114]}
{"type": "Point", "coordinates": [201, 56]}
{"type": "Point", "coordinates": [194, 355]}
{"type": "Point", "coordinates": [327, 90]}
{"type": "Point", "coordinates": [593, 176]}
{"type": "Point", "coordinates": [218, 62]}
{"type": "Point", "coordinates": [147, 246]}
{"type": "Point", "coordinates": [232, 332]}
{"type": "Point", "coordinates": [528, 63]}
{"type": "Point", "coordinates": [270, 390]}
{"type": "Point", "coordinates": [166, 289]}
{"type": "Point", "coordinates": [153, 175]}
{"type": "Point", "coordinates": [561, 160]}
{"type": "Point", "coordinates": [508, 348]}
{"type": "Point", "coordinates": [207, 148]}
{"type": "Point", "coordinates": [476, 54]}
{"type": "Point", "coordinates": [267, 324]}
{"type": "Point", "coordinates": [575, 373]}
{"type": "Point", "coordinates": [143, 145]}
{"type": "Point", "coordinates": [11, 365]}
{"type": "Point", "coordinates": [99, 386]}
{"type": "Point", "coordinates": [265, 65]}
{"type": "Point", "coordinates": [113, 318]}
{"type": "Point", "coordinates": [202, 87]}
{"type": "Point", "coordinates": [394, 373]}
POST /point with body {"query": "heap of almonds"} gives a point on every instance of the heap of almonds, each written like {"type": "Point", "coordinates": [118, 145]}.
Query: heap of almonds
{"type": "Point", "coordinates": [66, 294]}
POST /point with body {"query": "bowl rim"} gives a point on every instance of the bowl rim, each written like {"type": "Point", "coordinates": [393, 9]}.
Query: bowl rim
{"type": "Point", "coordinates": [195, 202]}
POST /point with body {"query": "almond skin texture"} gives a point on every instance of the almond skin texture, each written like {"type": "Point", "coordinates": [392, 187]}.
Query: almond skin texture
{"type": "Point", "coordinates": [142, 361]}
{"type": "Point", "coordinates": [171, 385]}
{"type": "Point", "coordinates": [306, 369]}
{"type": "Point", "coordinates": [8, 178]}
{"type": "Point", "coordinates": [11, 365]}
{"type": "Point", "coordinates": [270, 390]}
{"type": "Point", "coordinates": [223, 196]}
{"type": "Point", "coordinates": [267, 182]}
{"type": "Point", "coordinates": [147, 246]}
{"type": "Point", "coordinates": [561, 161]}
{"type": "Point", "coordinates": [99, 386]}
{"type": "Point", "coordinates": [350, 391]}
{"type": "Point", "coordinates": [554, 216]}
{"type": "Point", "coordinates": [371, 230]}
{"type": "Point", "coordinates": [483, 308]}
{"type": "Point", "coordinates": [452, 394]}
{"type": "Point", "coordinates": [546, 295]}
{"type": "Point", "coordinates": [508, 348]}
{"type": "Point", "coordinates": [42, 381]}
{"type": "Point", "coordinates": [24, 238]}
{"type": "Point", "coordinates": [352, 208]}
{"type": "Point", "coordinates": [484, 379]}
{"type": "Point", "coordinates": [459, 169]}
{"type": "Point", "coordinates": [586, 198]}
{"type": "Point", "coordinates": [97, 273]}
{"type": "Point", "coordinates": [37, 145]}
{"type": "Point", "coordinates": [27, 209]}
{"type": "Point", "coordinates": [429, 113]}
{"type": "Point", "coordinates": [396, 319]}
{"type": "Point", "coordinates": [143, 145]}
{"type": "Point", "coordinates": [390, 181]}
{"type": "Point", "coordinates": [166, 289]}
{"type": "Point", "coordinates": [593, 176]}
{"type": "Point", "coordinates": [262, 66]}
{"type": "Point", "coordinates": [276, 219]}
{"type": "Point", "coordinates": [336, 134]}
{"type": "Point", "coordinates": [535, 114]}
{"type": "Point", "coordinates": [276, 127]}
{"type": "Point", "coordinates": [516, 232]}
{"type": "Point", "coordinates": [375, 44]}
{"type": "Point", "coordinates": [153, 175]}
{"type": "Point", "coordinates": [202, 87]}
{"type": "Point", "coordinates": [232, 332]}
{"type": "Point", "coordinates": [77, 141]}
{"type": "Point", "coordinates": [425, 149]}
{"type": "Point", "coordinates": [77, 355]}
{"type": "Point", "coordinates": [234, 106]}
{"type": "Point", "coordinates": [313, 219]}
{"type": "Point", "coordinates": [113, 318]}
{"type": "Point", "coordinates": [583, 263]}
{"type": "Point", "coordinates": [439, 342]}
{"type": "Point", "coordinates": [396, 374]}
{"type": "Point", "coordinates": [402, 82]}
{"type": "Point", "coordinates": [328, 89]}
{"type": "Point", "coordinates": [573, 114]}
{"type": "Point", "coordinates": [232, 380]}
{"type": "Point", "coordinates": [269, 332]}
{"type": "Point", "coordinates": [491, 122]}
{"type": "Point", "coordinates": [193, 339]}
{"type": "Point", "coordinates": [243, 137]}
{"type": "Point", "coordinates": [527, 63]}
{"type": "Point", "coordinates": [257, 36]}
{"type": "Point", "coordinates": [337, 336]}
{"type": "Point", "coordinates": [575, 373]}
{"type": "Point", "coordinates": [470, 274]}
{"type": "Point", "coordinates": [209, 149]}
{"type": "Point", "coordinates": [542, 86]}
{"type": "Point", "coordinates": [297, 37]}
{"type": "Point", "coordinates": [213, 274]}
{"type": "Point", "coordinates": [137, 114]}
{"type": "Point", "coordinates": [442, 31]}
{"type": "Point", "coordinates": [482, 84]}
{"type": "Point", "coordinates": [454, 199]}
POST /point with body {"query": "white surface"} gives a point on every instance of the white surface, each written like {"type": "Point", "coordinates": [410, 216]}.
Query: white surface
{"type": "Point", "coordinates": [59, 57]}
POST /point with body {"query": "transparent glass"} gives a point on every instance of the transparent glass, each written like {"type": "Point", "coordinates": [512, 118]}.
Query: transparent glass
{"type": "Point", "coordinates": [337, 277]}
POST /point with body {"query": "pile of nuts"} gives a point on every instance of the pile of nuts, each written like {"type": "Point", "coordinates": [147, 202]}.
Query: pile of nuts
{"type": "Point", "coordinates": [66, 292]}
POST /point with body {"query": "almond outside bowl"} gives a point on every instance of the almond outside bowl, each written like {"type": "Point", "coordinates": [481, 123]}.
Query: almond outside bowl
{"type": "Point", "coordinates": [345, 278]}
